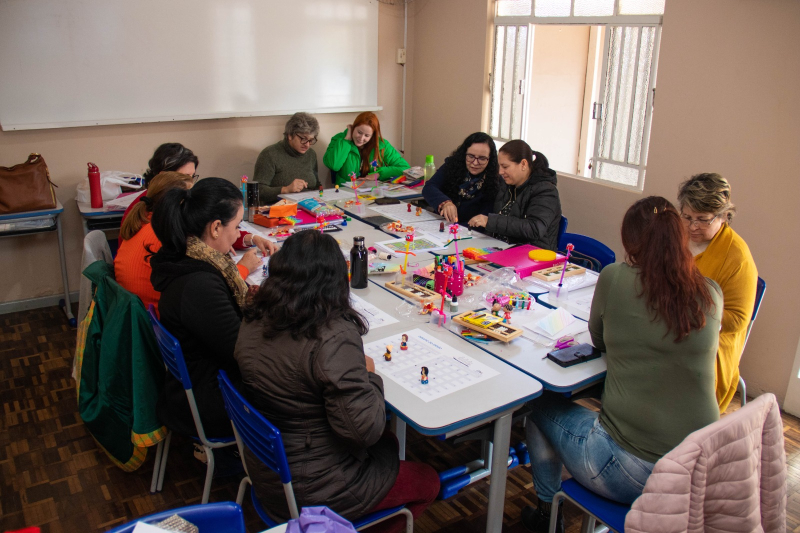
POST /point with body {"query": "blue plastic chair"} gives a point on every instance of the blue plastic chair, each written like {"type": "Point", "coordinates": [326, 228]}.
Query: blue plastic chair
{"type": "Point", "coordinates": [210, 518]}
{"type": "Point", "coordinates": [172, 355]}
{"type": "Point", "coordinates": [264, 441]}
{"type": "Point", "coordinates": [588, 252]}
{"type": "Point", "coordinates": [562, 229]}
{"type": "Point", "coordinates": [761, 286]}
{"type": "Point", "coordinates": [594, 507]}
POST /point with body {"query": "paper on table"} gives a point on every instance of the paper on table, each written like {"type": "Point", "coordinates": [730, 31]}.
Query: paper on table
{"type": "Point", "coordinates": [422, 242]}
{"type": "Point", "coordinates": [400, 212]}
{"type": "Point", "coordinates": [374, 316]}
{"type": "Point", "coordinates": [575, 328]}
{"type": "Point", "coordinates": [328, 195]}
{"type": "Point", "coordinates": [572, 283]}
{"type": "Point", "coordinates": [580, 306]}
{"type": "Point", "coordinates": [555, 321]}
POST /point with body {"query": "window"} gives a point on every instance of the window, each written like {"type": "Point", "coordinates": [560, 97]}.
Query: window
{"type": "Point", "coordinates": [576, 80]}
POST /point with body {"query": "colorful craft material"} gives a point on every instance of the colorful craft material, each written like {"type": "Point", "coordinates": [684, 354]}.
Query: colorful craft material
{"type": "Point", "coordinates": [555, 321]}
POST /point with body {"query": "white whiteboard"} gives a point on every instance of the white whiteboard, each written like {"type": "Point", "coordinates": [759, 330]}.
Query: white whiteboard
{"type": "Point", "coordinates": [70, 63]}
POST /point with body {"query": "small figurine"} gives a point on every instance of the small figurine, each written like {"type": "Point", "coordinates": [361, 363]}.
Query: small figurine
{"type": "Point", "coordinates": [423, 375]}
{"type": "Point", "coordinates": [388, 355]}
{"type": "Point", "coordinates": [419, 211]}
{"type": "Point", "coordinates": [496, 307]}
{"type": "Point", "coordinates": [507, 315]}
{"type": "Point", "coordinates": [404, 342]}
{"type": "Point", "coordinates": [441, 227]}
{"type": "Point", "coordinates": [336, 188]}
{"type": "Point", "coordinates": [320, 191]}
{"type": "Point", "coordinates": [344, 222]}
{"type": "Point", "coordinates": [426, 309]}
{"type": "Point", "coordinates": [409, 207]}
{"type": "Point", "coordinates": [374, 165]}
{"type": "Point", "coordinates": [264, 270]}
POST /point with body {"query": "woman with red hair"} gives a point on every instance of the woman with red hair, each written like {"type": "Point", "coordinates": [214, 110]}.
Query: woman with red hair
{"type": "Point", "coordinates": [361, 149]}
{"type": "Point", "coordinates": [657, 319]}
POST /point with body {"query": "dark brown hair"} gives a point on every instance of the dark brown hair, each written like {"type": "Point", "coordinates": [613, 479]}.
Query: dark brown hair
{"type": "Point", "coordinates": [143, 208]}
{"type": "Point", "coordinates": [656, 242]}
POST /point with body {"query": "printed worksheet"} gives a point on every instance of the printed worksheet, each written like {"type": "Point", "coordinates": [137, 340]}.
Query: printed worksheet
{"type": "Point", "coordinates": [448, 370]}
{"type": "Point", "coordinates": [422, 242]}
{"type": "Point", "coordinates": [328, 195]}
{"type": "Point", "coordinates": [374, 316]}
{"type": "Point", "coordinates": [400, 212]}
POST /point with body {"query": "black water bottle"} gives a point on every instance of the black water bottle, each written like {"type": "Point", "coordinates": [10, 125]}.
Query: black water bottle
{"type": "Point", "coordinates": [359, 264]}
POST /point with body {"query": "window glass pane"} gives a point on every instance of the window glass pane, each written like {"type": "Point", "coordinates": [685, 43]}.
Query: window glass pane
{"type": "Point", "coordinates": [552, 8]}
{"type": "Point", "coordinates": [610, 97]}
{"type": "Point", "coordinates": [508, 82]}
{"type": "Point", "coordinates": [519, 72]}
{"type": "Point", "coordinates": [589, 8]}
{"type": "Point", "coordinates": [640, 95]}
{"type": "Point", "coordinates": [618, 174]}
{"type": "Point", "coordinates": [622, 113]}
{"type": "Point", "coordinates": [512, 8]}
{"type": "Point", "coordinates": [499, 40]}
{"type": "Point", "coordinates": [641, 7]}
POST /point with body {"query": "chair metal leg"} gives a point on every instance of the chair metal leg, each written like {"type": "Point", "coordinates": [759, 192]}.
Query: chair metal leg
{"type": "Point", "coordinates": [242, 489]}
{"type": "Point", "coordinates": [156, 467]}
{"type": "Point", "coordinates": [404, 511]}
{"type": "Point", "coordinates": [209, 473]}
{"type": "Point", "coordinates": [558, 498]}
{"type": "Point", "coordinates": [163, 467]}
{"type": "Point", "coordinates": [742, 391]}
{"type": "Point", "coordinates": [588, 523]}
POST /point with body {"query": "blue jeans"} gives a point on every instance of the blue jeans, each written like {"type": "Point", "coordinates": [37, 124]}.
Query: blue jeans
{"type": "Point", "coordinates": [561, 432]}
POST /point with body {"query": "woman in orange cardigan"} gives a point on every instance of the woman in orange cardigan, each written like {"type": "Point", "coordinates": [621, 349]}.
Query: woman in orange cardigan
{"type": "Point", "coordinates": [721, 255]}
{"type": "Point", "coordinates": [138, 241]}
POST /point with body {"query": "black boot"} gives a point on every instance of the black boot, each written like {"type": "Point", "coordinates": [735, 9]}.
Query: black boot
{"type": "Point", "coordinates": [537, 518]}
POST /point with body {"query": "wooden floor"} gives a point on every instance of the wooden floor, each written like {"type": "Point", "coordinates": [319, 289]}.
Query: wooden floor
{"type": "Point", "coordinates": [54, 476]}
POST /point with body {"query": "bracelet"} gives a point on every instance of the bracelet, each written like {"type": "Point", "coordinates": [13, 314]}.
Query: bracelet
{"type": "Point", "coordinates": [252, 240]}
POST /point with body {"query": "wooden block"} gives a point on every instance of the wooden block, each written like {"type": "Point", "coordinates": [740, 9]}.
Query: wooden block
{"type": "Point", "coordinates": [499, 331]}
{"type": "Point", "coordinates": [554, 273]}
{"type": "Point", "coordinates": [413, 291]}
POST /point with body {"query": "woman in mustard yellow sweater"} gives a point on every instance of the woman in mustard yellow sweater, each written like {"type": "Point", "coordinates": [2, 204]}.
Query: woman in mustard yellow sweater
{"type": "Point", "coordinates": [723, 256]}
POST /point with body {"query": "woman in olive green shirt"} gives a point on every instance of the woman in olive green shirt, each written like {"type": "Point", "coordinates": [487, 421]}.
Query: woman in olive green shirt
{"type": "Point", "coordinates": [657, 319]}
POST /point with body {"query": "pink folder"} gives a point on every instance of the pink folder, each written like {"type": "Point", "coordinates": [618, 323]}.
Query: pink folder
{"type": "Point", "coordinates": [519, 260]}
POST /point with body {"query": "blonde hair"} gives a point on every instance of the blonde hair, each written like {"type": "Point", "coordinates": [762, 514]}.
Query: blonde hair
{"type": "Point", "coordinates": [707, 193]}
{"type": "Point", "coordinates": [143, 208]}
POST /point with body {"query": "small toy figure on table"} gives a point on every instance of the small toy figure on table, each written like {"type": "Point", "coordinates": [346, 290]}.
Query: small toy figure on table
{"type": "Point", "coordinates": [426, 309]}
{"type": "Point", "coordinates": [419, 211]}
{"type": "Point", "coordinates": [374, 165]}
{"type": "Point", "coordinates": [441, 227]}
{"type": "Point", "coordinates": [404, 342]}
{"type": "Point", "coordinates": [507, 314]}
{"type": "Point", "coordinates": [423, 375]}
{"type": "Point", "coordinates": [496, 307]}
{"type": "Point", "coordinates": [388, 355]}
{"type": "Point", "coordinates": [320, 191]}
{"type": "Point", "coordinates": [336, 188]}
{"type": "Point", "coordinates": [409, 207]}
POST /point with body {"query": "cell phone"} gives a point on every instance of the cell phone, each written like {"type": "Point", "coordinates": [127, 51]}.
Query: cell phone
{"type": "Point", "coordinates": [574, 355]}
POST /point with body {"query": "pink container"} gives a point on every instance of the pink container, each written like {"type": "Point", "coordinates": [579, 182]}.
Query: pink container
{"type": "Point", "coordinates": [518, 259]}
{"type": "Point", "coordinates": [456, 283]}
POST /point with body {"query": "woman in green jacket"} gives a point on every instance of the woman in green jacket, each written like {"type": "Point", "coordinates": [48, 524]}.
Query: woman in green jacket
{"type": "Point", "coordinates": [361, 149]}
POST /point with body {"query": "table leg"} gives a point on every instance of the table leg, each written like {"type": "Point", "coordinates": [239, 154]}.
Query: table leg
{"type": "Point", "coordinates": [64, 280]}
{"type": "Point", "coordinates": [399, 430]}
{"type": "Point", "coordinates": [497, 489]}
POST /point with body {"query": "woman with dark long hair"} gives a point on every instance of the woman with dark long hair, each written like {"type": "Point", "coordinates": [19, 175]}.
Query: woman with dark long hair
{"type": "Point", "coordinates": [528, 209]}
{"type": "Point", "coordinates": [361, 150]}
{"type": "Point", "coordinates": [466, 185]}
{"type": "Point", "coordinates": [657, 319]}
{"type": "Point", "coordinates": [303, 367]}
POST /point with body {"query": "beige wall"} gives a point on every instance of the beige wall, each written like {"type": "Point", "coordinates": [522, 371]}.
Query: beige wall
{"type": "Point", "coordinates": [226, 148]}
{"type": "Point", "coordinates": [555, 105]}
{"type": "Point", "coordinates": [727, 82]}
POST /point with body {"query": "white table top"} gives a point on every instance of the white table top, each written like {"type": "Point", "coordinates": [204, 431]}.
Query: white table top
{"type": "Point", "coordinates": [33, 214]}
{"type": "Point", "coordinates": [87, 210]}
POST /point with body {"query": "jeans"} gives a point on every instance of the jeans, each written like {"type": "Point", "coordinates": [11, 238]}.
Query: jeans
{"type": "Point", "coordinates": [561, 432]}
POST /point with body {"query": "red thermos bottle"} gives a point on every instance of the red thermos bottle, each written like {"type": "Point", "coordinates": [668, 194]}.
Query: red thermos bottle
{"type": "Point", "coordinates": [94, 186]}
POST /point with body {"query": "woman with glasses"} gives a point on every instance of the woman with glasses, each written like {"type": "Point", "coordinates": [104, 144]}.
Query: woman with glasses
{"type": "Point", "coordinates": [362, 150]}
{"type": "Point", "coordinates": [528, 209]}
{"type": "Point", "coordinates": [722, 255]}
{"type": "Point", "coordinates": [290, 165]}
{"type": "Point", "coordinates": [169, 157]}
{"type": "Point", "coordinates": [657, 319]}
{"type": "Point", "coordinates": [303, 367]}
{"type": "Point", "coordinates": [467, 183]}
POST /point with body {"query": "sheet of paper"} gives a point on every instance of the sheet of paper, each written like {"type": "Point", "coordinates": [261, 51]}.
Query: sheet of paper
{"type": "Point", "coordinates": [374, 316]}
{"type": "Point", "coordinates": [141, 527]}
{"type": "Point", "coordinates": [422, 242]}
{"type": "Point", "coordinates": [449, 370]}
{"type": "Point", "coordinates": [573, 283]}
{"type": "Point", "coordinates": [328, 195]}
{"type": "Point", "coordinates": [400, 212]}
{"type": "Point", "coordinates": [575, 328]}
{"type": "Point", "coordinates": [580, 306]}
{"type": "Point", "coordinates": [555, 321]}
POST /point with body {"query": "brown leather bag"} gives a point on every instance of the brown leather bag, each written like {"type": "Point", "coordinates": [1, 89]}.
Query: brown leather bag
{"type": "Point", "coordinates": [26, 187]}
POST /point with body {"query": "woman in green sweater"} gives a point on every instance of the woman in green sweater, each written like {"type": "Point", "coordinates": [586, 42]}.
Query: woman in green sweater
{"type": "Point", "coordinates": [657, 319]}
{"type": "Point", "coordinates": [361, 150]}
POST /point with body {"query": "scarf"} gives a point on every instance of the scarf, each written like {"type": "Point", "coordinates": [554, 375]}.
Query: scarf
{"type": "Point", "coordinates": [197, 249]}
{"type": "Point", "coordinates": [471, 186]}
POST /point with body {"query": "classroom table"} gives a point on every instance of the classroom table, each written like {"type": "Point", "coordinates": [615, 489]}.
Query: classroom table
{"type": "Point", "coordinates": [98, 218]}
{"type": "Point", "coordinates": [491, 401]}
{"type": "Point", "coordinates": [30, 222]}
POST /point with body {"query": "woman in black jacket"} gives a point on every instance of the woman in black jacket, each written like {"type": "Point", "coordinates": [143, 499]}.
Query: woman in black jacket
{"type": "Point", "coordinates": [303, 367]}
{"type": "Point", "coordinates": [528, 210]}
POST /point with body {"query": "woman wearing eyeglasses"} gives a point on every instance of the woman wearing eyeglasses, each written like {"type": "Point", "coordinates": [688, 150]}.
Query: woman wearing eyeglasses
{"type": "Point", "coordinates": [722, 255]}
{"type": "Point", "coordinates": [528, 209]}
{"type": "Point", "coordinates": [362, 150]}
{"type": "Point", "coordinates": [467, 183]}
{"type": "Point", "coordinates": [290, 165]}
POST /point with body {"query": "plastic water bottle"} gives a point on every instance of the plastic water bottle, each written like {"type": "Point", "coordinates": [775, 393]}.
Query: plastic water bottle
{"type": "Point", "coordinates": [94, 186]}
{"type": "Point", "coordinates": [359, 264]}
{"type": "Point", "coordinates": [430, 168]}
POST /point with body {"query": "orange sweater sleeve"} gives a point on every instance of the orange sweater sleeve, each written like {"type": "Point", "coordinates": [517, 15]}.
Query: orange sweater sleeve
{"type": "Point", "coordinates": [132, 265]}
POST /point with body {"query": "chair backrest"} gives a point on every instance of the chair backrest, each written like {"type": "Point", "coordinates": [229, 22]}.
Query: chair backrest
{"type": "Point", "coordinates": [761, 287]}
{"type": "Point", "coordinates": [170, 350]}
{"type": "Point", "coordinates": [255, 431]}
{"type": "Point", "coordinates": [596, 254]}
{"type": "Point", "coordinates": [562, 229]}
{"type": "Point", "coordinates": [209, 518]}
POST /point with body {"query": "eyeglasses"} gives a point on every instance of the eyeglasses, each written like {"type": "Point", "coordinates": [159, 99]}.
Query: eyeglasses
{"type": "Point", "coordinates": [195, 177]}
{"type": "Point", "coordinates": [699, 222]}
{"type": "Point", "coordinates": [305, 140]}
{"type": "Point", "coordinates": [480, 159]}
